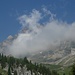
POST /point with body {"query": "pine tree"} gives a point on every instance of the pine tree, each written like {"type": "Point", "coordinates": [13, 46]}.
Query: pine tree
{"type": "Point", "coordinates": [3, 61]}
{"type": "Point", "coordinates": [15, 72]}
{"type": "Point", "coordinates": [63, 73]}
{"type": "Point", "coordinates": [0, 74]}
{"type": "Point", "coordinates": [73, 70]}
{"type": "Point", "coordinates": [0, 57]}
{"type": "Point", "coordinates": [54, 72]}
{"type": "Point", "coordinates": [9, 71]}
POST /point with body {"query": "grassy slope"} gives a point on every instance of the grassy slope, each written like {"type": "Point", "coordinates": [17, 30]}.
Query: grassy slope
{"type": "Point", "coordinates": [61, 70]}
{"type": "Point", "coordinates": [66, 70]}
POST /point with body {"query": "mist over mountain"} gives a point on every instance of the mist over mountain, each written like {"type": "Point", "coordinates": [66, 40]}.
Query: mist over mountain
{"type": "Point", "coordinates": [35, 36]}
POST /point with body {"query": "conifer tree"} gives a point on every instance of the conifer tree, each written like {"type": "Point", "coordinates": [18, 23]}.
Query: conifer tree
{"type": "Point", "coordinates": [3, 61]}
{"type": "Point", "coordinates": [54, 72]}
{"type": "Point", "coordinates": [15, 72]}
{"type": "Point", "coordinates": [73, 70]}
{"type": "Point", "coordinates": [9, 71]}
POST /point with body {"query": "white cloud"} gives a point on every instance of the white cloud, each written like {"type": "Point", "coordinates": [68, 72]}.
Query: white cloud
{"type": "Point", "coordinates": [40, 37]}
{"type": "Point", "coordinates": [47, 12]}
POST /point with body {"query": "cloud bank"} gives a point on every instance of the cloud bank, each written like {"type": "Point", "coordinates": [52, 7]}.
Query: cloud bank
{"type": "Point", "coordinates": [40, 31]}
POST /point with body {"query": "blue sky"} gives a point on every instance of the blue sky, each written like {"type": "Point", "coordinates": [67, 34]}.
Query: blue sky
{"type": "Point", "coordinates": [10, 10]}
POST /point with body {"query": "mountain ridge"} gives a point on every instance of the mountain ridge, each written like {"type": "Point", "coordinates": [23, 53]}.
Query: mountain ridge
{"type": "Point", "coordinates": [66, 50]}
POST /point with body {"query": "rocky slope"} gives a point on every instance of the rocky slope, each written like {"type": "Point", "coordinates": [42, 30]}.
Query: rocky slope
{"type": "Point", "coordinates": [62, 54]}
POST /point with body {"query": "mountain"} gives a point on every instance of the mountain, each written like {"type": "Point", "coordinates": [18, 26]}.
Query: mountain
{"type": "Point", "coordinates": [4, 45]}
{"type": "Point", "coordinates": [64, 54]}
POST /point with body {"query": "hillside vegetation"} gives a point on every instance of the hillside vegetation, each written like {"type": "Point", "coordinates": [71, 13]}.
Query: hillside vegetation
{"type": "Point", "coordinates": [22, 66]}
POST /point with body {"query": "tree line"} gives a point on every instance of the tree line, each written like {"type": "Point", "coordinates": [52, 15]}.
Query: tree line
{"type": "Point", "coordinates": [16, 62]}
